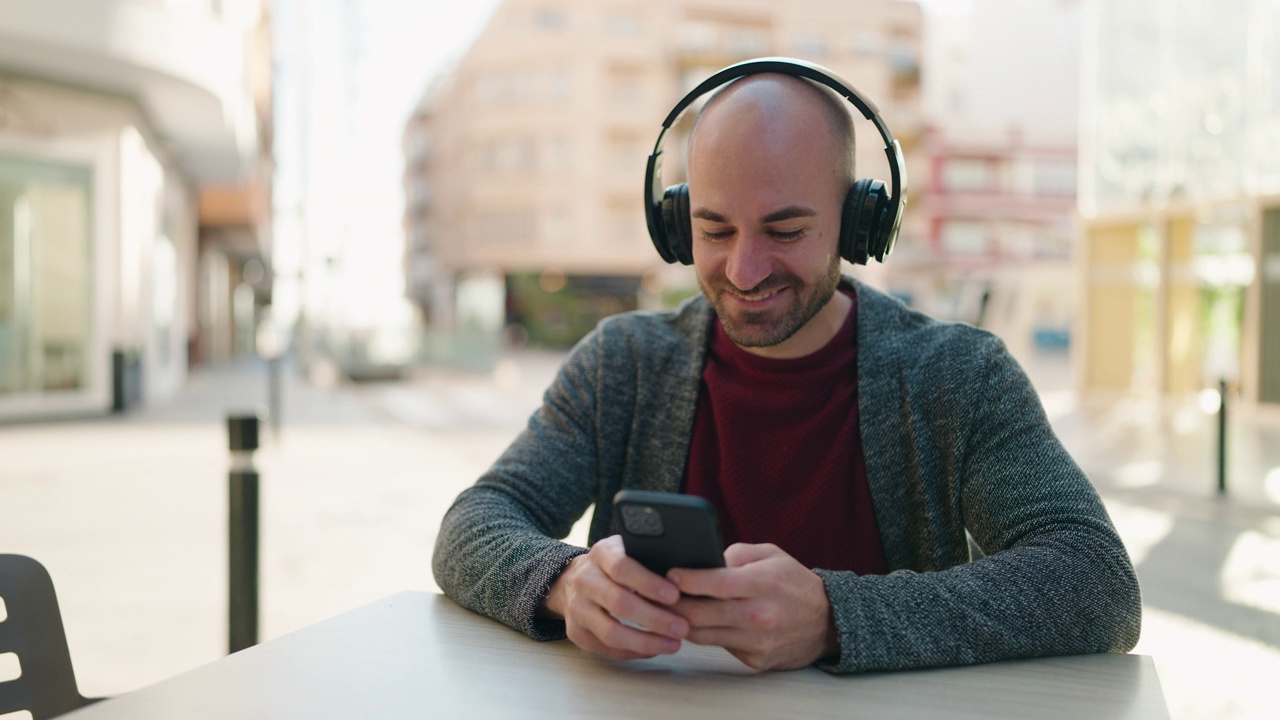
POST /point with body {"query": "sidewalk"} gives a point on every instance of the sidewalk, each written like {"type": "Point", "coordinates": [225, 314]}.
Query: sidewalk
{"type": "Point", "coordinates": [1208, 564]}
{"type": "Point", "coordinates": [129, 514]}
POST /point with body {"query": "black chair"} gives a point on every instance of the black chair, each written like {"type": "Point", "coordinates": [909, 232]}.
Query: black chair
{"type": "Point", "coordinates": [32, 630]}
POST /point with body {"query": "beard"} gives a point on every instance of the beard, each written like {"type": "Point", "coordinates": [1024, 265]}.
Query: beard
{"type": "Point", "coordinates": [773, 326]}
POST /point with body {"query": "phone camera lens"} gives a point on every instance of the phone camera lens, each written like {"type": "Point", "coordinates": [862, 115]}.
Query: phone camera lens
{"type": "Point", "coordinates": [642, 520]}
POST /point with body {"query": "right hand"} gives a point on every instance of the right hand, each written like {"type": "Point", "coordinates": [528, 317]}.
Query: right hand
{"type": "Point", "coordinates": [598, 590]}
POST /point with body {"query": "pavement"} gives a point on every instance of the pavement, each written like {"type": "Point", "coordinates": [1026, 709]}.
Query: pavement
{"type": "Point", "coordinates": [129, 515]}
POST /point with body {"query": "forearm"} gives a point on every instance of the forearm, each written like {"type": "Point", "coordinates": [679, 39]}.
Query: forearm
{"type": "Point", "coordinates": [491, 560]}
{"type": "Point", "coordinates": [1068, 594]}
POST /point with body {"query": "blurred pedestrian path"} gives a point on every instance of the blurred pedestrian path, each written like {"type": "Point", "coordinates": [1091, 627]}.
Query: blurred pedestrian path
{"type": "Point", "coordinates": [1209, 565]}
{"type": "Point", "coordinates": [129, 513]}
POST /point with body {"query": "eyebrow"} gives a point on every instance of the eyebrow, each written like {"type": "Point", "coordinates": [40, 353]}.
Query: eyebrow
{"type": "Point", "coordinates": [786, 213]}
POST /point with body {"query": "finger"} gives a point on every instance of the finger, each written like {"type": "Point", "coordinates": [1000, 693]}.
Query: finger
{"type": "Point", "coordinates": [628, 572]}
{"type": "Point", "coordinates": [628, 606]}
{"type": "Point", "coordinates": [750, 615]}
{"type": "Point", "coordinates": [739, 554]}
{"type": "Point", "coordinates": [702, 612]}
{"type": "Point", "coordinates": [615, 639]}
{"type": "Point", "coordinates": [722, 583]}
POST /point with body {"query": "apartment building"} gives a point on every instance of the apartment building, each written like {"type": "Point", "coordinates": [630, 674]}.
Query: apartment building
{"type": "Point", "coordinates": [1001, 94]}
{"type": "Point", "coordinates": [525, 163]}
{"type": "Point", "coordinates": [134, 166]}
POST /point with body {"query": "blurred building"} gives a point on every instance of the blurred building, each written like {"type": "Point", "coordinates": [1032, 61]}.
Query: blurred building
{"type": "Point", "coordinates": [1000, 87]}
{"type": "Point", "coordinates": [133, 163]}
{"type": "Point", "coordinates": [524, 165]}
{"type": "Point", "coordinates": [1180, 197]}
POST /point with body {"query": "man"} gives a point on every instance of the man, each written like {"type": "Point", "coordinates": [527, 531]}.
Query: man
{"type": "Point", "coordinates": [846, 441]}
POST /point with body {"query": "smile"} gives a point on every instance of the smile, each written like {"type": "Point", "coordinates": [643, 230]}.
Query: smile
{"type": "Point", "coordinates": [759, 297]}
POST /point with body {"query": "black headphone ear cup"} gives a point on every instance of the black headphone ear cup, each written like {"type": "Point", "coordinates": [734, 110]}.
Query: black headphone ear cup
{"type": "Point", "coordinates": [862, 231]}
{"type": "Point", "coordinates": [677, 225]}
{"type": "Point", "coordinates": [852, 231]}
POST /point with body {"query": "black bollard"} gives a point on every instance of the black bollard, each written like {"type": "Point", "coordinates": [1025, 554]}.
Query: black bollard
{"type": "Point", "coordinates": [1222, 437]}
{"type": "Point", "coordinates": [242, 565]}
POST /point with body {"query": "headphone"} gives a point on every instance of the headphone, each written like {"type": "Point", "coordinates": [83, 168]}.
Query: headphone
{"type": "Point", "coordinates": [871, 216]}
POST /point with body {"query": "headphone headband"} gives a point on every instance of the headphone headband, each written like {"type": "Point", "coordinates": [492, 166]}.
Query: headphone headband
{"type": "Point", "coordinates": [796, 68]}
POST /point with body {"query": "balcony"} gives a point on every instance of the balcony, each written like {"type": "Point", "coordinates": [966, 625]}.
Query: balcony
{"type": "Point", "coordinates": [185, 65]}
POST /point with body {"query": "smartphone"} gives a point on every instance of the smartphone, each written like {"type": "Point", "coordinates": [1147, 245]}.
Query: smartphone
{"type": "Point", "coordinates": [665, 530]}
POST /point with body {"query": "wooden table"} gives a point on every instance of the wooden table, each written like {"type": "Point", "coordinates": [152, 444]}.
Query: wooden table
{"type": "Point", "coordinates": [419, 655]}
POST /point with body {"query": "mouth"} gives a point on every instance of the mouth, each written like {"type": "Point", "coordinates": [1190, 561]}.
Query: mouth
{"type": "Point", "coordinates": [758, 297]}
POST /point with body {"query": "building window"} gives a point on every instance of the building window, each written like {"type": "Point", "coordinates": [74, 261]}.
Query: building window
{"type": "Point", "coordinates": [502, 227]}
{"type": "Point", "coordinates": [866, 42]}
{"type": "Point", "coordinates": [627, 153]}
{"type": "Point", "coordinates": [559, 226]}
{"type": "Point", "coordinates": [904, 63]}
{"type": "Point", "coordinates": [810, 46]}
{"type": "Point", "coordinates": [698, 37]}
{"type": "Point", "coordinates": [626, 88]}
{"type": "Point", "coordinates": [969, 175]}
{"type": "Point", "coordinates": [626, 221]}
{"type": "Point", "coordinates": [45, 277]}
{"type": "Point", "coordinates": [622, 22]}
{"type": "Point", "coordinates": [559, 152]}
{"type": "Point", "coordinates": [1054, 178]}
{"type": "Point", "coordinates": [747, 42]}
{"type": "Point", "coordinates": [964, 237]}
{"type": "Point", "coordinates": [549, 18]}
{"type": "Point", "coordinates": [507, 156]}
{"type": "Point", "coordinates": [560, 84]}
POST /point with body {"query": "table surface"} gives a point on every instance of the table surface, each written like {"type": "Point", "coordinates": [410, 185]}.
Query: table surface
{"type": "Point", "coordinates": [417, 655]}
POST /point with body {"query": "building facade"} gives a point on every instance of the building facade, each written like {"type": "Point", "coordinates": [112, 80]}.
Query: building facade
{"type": "Point", "coordinates": [1180, 198]}
{"type": "Point", "coordinates": [1000, 94]}
{"type": "Point", "coordinates": [524, 164]}
{"type": "Point", "coordinates": [131, 191]}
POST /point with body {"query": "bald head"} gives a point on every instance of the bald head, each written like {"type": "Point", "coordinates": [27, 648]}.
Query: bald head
{"type": "Point", "coordinates": [781, 112]}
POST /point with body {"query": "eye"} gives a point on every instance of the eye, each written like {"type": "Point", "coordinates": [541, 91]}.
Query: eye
{"type": "Point", "coordinates": [787, 235]}
{"type": "Point", "coordinates": [716, 235]}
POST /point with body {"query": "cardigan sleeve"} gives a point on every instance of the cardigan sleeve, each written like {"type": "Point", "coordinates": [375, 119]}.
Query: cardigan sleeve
{"type": "Point", "coordinates": [1056, 579]}
{"type": "Point", "coordinates": [498, 548]}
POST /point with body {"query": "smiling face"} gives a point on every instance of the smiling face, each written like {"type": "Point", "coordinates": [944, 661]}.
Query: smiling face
{"type": "Point", "coordinates": [768, 173]}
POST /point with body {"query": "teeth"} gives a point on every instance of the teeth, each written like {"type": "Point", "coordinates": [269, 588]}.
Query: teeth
{"type": "Point", "coordinates": [758, 297]}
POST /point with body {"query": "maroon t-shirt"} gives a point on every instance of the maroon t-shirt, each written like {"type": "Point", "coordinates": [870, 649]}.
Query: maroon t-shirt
{"type": "Point", "coordinates": [776, 450]}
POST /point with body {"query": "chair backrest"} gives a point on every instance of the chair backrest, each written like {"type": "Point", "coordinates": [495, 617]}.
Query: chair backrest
{"type": "Point", "coordinates": [33, 631]}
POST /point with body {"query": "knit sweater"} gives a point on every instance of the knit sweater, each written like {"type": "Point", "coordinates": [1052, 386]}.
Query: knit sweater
{"type": "Point", "coordinates": [955, 439]}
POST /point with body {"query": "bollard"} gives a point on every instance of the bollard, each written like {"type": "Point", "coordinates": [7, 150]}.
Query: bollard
{"type": "Point", "coordinates": [1222, 436]}
{"type": "Point", "coordinates": [242, 561]}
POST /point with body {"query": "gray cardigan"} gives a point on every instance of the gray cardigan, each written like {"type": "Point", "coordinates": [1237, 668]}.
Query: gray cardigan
{"type": "Point", "coordinates": [954, 438]}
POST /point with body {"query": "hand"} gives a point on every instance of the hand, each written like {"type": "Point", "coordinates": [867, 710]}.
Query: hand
{"type": "Point", "coordinates": [764, 607]}
{"type": "Point", "coordinates": [596, 591]}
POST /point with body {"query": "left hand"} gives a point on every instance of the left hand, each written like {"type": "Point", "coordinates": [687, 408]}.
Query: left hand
{"type": "Point", "coordinates": [764, 607]}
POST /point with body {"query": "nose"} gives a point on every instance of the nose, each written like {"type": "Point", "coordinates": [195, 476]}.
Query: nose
{"type": "Point", "coordinates": [749, 261]}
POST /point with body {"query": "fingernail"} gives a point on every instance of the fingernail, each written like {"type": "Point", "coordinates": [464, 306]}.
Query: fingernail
{"type": "Point", "coordinates": [678, 629]}
{"type": "Point", "coordinates": [673, 576]}
{"type": "Point", "coordinates": [668, 594]}
{"type": "Point", "coordinates": [670, 646]}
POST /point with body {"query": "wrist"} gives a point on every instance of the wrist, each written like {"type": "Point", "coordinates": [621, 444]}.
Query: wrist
{"type": "Point", "coordinates": [552, 605]}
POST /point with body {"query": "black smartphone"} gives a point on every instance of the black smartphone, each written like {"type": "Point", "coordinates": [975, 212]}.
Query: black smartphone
{"type": "Point", "coordinates": [666, 530]}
